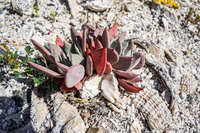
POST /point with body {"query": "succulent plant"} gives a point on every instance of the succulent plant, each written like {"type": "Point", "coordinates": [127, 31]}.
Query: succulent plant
{"type": "Point", "coordinates": [97, 50]}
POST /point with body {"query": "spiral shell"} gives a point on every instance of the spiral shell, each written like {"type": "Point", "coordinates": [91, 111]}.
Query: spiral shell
{"type": "Point", "coordinates": [154, 109]}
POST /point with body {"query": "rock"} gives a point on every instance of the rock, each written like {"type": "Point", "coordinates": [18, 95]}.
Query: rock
{"type": "Point", "coordinates": [74, 7]}
{"type": "Point", "coordinates": [135, 127]}
{"type": "Point", "coordinates": [38, 39]}
{"type": "Point", "coordinates": [65, 116]}
{"type": "Point", "coordinates": [60, 116]}
{"type": "Point", "coordinates": [22, 7]}
{"type": "Point", "coordinates": [58, 25]}
{"type": "Point", "coordinates": [99, 5]}
{"type": "Point", "coordinates": [39, 112]}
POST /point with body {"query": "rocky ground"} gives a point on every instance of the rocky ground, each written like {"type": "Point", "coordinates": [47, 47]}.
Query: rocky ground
{"type": "Point", "coordinates": [170, 78]}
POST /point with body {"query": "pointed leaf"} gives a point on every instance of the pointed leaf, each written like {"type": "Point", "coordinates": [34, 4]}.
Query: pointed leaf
{"type": "Point", "coordinates": [98, 45]}
{"type": "Point", "coordinates": [43, 50]}
{"type": "Point", "coordinates": [58, 54]}
{"type": "Point", "coordinates": [74, 34]}
{"type": "Point", "coordinates": [125, 75]}
{"type": "Point", "coordinates": [92, 46]}
{"type": "Point", "coordinates": [130, 48]}
{"type": "Point", "coordinates": [105, 38]}
{"type": "Point", "coordinates": [73, 75]}
{"type": "Point", "coordinates": [113, 31]}
{"type": "Point", "coordinates": [129, 87]}
{"type": "Point", "coordinates": [108, 67]}
{"type": "Point", "coordinates": [99, 58]}
{"type": "Point", "coordinates": [45, 70]}
{"type": "Point", "coordinates": [137, 55]}
{"type": "Point", "coordinates": [88, 51]}
{"type": "Point", "coordinates": [134, 80]}
{"type": "Point", "coordinates": [77, 59]}
{"type": "Point", "coordinates": [84, 40]}
{"type": "Point", "coordinates": [112, 56]}
{"type": "Point", "coordinates": [61, 68]}
{"type": "Point", "coordinates": [134, 63]}
{"type": "Point", "coordinates": [89, 65]}
{"type": "Point", "coordinates": [59, 41]}
{"type": "Point", "coordinates": [117, 45]}
{"type": "Point", "coordinates": [76, 50]}
{"type": "Point", "coordinates": [124, 63]}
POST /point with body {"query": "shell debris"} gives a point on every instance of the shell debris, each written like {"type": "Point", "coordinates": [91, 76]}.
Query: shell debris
{"type": "Point", "coordinates": [154, 109]}
{"type": "Point", "coordinates": [188, 83]}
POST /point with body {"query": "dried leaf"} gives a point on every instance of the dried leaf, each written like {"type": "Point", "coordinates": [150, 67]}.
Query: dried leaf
{"type": "Point", "coordinates": [59, 41]}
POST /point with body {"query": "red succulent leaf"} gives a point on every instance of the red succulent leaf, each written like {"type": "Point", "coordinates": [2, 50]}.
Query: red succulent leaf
{"type": "Point", "coordinates": [98, 45]}
{"type": "Point", "coordinates": [113, 31]}
{"type": "Point", "coordinates": [105, 38]}
{"type": "Point", "coordinates": [88, 51]}
{"type": "Point", "coordinates": [64, 88]}
{"type": "Point", "coordinates": [92, 46]}
{"type": "Point", "coordinates": [137, 55]}
{"type": "Point", "coordinates": [108, 67]}
{"type": "Point", "coordinates": [134, 80]}
{"type": "Point", "coordinates": [43, 50]}
{"type": "Point", "coordinates": [59, 41]}
{"type": "Point", "coordinates": [78, 86]}
{"type": "Point", "coordinates": [112, 56]}
{"type": "Point", "coordinates": [45, 70]}
{"type": "Point", "coordinates": [73, 75]}
{"type": "Point", "coordinates": [125, 75]}
{"type": "Point", "coordinates": [128, 86]}
{"type": "Point", "coordinates": [89, 65]}
{"type": "Point", "coordinates": [124, 63]}
{"type": "Point", "coordinates": [99, 58]}
{"type": "Point", "coordinates": [84, 39]}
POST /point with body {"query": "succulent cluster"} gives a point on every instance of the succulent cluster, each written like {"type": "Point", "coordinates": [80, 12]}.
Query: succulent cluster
{"type": "Point", "coordinates": [95, 51]}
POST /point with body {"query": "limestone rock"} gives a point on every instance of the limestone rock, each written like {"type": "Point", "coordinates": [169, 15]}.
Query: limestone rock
{"type": "Point", "coordinates": [100, 5]}
{"type": "Point", "coordinates": [59, 116]}
{"type": "Point", "coordinates": [74, 7]}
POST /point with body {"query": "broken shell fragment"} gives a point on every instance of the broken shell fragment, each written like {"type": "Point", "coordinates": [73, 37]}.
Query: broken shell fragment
{"type": "Point", "coordinates": [109, 88]}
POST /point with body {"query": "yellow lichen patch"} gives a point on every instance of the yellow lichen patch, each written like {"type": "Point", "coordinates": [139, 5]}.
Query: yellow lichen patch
{"type": "Point", "coordinates": [167, 2]}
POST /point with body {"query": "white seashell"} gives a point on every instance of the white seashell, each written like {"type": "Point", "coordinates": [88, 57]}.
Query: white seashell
{"type": "Point", "coordinates": [91, 87]}
{"type": "Point", "coordinates": [109, 88]}
{"type": "Point", "coordinates": [154, 109]}
{"type": "Point", "coordinates": [100, 5]}
{"type": "Point", "coordinates": [188, 83]}
{"type": "Point", "coordinates": [135, 127]}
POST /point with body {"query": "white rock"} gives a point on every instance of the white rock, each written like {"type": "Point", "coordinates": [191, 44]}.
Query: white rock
{"type": "Point", "coordinates": [38, 39]}
{"type": "Point", "coordinates": [58, 25]}
{"type": "Point", "coordinates": [99, 5]}
{"type": "Point", "coordinates": [74, 7]}
{"type": "Point", "coordinates": [109, 88]}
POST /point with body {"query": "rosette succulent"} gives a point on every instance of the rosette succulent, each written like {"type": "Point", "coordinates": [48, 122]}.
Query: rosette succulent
{"type": "Point", "coordinates": [95, 51]}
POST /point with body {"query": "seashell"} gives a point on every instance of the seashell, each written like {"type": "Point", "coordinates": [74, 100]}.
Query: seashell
{"type": "Point", "coordinates": [109, 88]}
{"type": "Point", "coordinates": [100, 5]}
{"type": "Point", "coordinates": [154, 109]}
{"type": "Point", "coordinates": [188, 83]}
